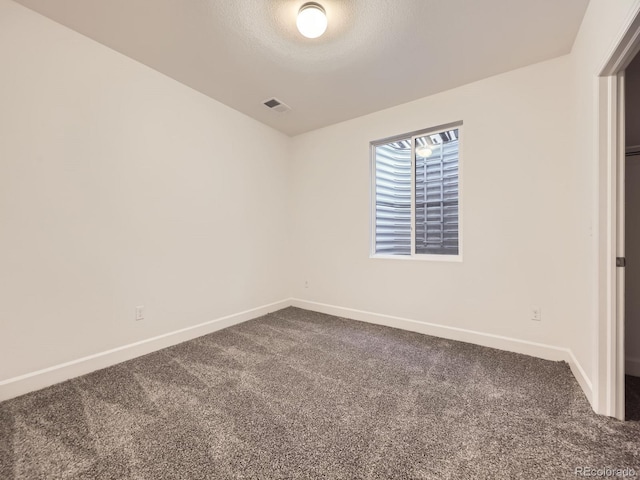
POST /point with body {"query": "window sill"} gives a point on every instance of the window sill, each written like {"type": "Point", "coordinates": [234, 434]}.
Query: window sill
{"type": "Point", "coordinates": [420, 258]}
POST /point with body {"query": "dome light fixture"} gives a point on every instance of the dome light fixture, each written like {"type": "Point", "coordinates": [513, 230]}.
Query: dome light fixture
{"type": "Point", "coordinates": [312, 20]}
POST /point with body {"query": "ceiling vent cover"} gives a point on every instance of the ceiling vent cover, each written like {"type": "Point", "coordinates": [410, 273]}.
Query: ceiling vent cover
{"type": "Point", "coordinates": [276, 105]}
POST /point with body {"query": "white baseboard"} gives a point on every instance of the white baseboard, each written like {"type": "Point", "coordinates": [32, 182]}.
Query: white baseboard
{"type": "Point", "coordinates": [632, 366]}
{"type": "Point", "coordinates": [547, 352]}
{"type": "Point", "coordinates": [29, 382]}
{"type": "Point", "coordinates": [581, 377]}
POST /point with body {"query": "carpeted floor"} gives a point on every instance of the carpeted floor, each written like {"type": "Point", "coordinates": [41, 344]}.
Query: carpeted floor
{"type": "Point", "coordinates": [297, 394]}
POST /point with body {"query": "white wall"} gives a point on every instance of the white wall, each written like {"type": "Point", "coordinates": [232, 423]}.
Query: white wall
{"type": "Point", "coordinates": [601, 28]}
{"type": "Point", "coordinates": [121, 187]}
{"type": "Point", "coordinates": [516, 211]}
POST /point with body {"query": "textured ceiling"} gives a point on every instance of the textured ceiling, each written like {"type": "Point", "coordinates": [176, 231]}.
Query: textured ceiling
{"type": "Point", "coordinates": [375, 53]}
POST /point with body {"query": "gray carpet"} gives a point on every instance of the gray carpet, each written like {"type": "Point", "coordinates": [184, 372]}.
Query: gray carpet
{"type": "Point", "coordinates": [297, 394]}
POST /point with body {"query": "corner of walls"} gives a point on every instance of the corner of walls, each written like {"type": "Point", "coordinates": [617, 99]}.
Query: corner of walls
{"type": "Point", "coordinates": [582, 378]}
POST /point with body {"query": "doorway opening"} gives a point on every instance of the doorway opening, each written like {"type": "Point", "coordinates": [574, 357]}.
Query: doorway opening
{"type": "Point", "coordinates": [609, 385]}
{"type": "Point", "coordinates": [632, 240]}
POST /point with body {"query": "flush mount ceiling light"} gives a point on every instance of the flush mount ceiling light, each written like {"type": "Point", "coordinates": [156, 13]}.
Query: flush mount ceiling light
{"type": "Point", "coordinates": [312, 20]}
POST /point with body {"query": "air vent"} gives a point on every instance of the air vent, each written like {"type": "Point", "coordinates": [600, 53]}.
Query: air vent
{"type": "Point", "coordinates": [276, 105]}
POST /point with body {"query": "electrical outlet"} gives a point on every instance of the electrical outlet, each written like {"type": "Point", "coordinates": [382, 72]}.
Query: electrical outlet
{"type": "Point", "coordinates": [306, 284]}
{"type": "Point", "coordinates": [536, 314]}
{"type": "Point", "coordinates": [140, 312]}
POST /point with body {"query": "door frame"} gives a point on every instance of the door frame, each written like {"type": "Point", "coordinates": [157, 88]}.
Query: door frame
{"type": "Point", "coordinates": [608, 385]}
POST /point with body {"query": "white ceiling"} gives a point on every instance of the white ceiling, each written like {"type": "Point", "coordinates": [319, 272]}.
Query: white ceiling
{"type": "Point", "coordinates": [375, 53]}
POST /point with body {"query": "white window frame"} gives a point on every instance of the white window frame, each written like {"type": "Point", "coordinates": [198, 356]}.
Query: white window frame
{"type": "Point", "coordinates": [372, 174]}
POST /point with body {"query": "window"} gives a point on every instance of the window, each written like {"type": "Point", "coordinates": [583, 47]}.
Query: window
{"type": "Point", "coordinates": [416, 189]}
